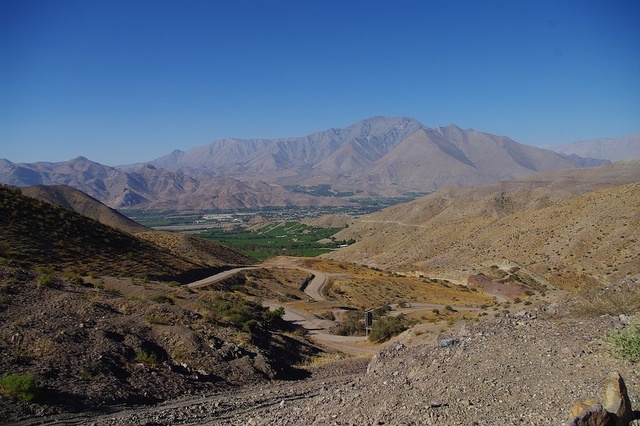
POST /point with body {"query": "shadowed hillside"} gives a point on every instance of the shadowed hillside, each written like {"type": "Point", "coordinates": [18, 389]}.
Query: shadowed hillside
{"type": "Point", "coordinates": [194, 249]}
{"type": "Point", "coordinates": [68, 197]}
{"type": "Point", "coordinates": [38, 233]}
{"type": "Point", "coordinates": [89, 318]}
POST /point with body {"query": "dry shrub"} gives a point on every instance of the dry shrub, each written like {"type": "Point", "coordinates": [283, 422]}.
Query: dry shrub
{"type": "Point", "coordinates": [613, 300]}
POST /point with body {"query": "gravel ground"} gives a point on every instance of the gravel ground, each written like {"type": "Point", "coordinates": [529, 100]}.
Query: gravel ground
{"type": "Point", "coordinates": [510, 370]}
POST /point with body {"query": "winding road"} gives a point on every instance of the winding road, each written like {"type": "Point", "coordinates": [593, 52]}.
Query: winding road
{"type": "Point", "coordinates": [318, 328]}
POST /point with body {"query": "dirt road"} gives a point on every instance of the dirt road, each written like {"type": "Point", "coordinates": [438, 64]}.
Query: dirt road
{"type": "Point", "coordinates": [319, 328]}
{"type": "Point", "coordinates": [219, 277]}
{"type": "Point", "coordinates": [312, 289]}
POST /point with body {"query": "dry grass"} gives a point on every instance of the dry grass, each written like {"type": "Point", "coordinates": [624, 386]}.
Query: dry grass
{"type": "Point", "coordinates": [563, 238]}
{"type": "Point", "coordinates": [613, 300]}
{"type": "Point", "coordinates": [365, 288]}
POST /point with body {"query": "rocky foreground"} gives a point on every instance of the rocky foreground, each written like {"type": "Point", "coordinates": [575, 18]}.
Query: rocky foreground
{"type": "Point", "coordinates": [528, 368]}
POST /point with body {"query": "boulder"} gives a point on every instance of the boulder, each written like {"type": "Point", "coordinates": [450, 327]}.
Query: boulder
{"type": "Point", "coordinates": [582, 406]}
{"type": "Point", "coordinates": [595, 415]}
{"type": "Point", "coordinates": [616, 400]}
{"type": "Point", "coordinates": [613, 410]}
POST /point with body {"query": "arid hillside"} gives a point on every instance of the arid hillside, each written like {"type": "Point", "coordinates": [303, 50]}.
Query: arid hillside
{"type": "Point", "coordinates": [71, 198]}
{"type": "Point", "coordinates": [568, 228]}
{"type": "Point", "coordinates": [37, 233]}
{"type": "Point", "coordinates": [194, 249]}
{"type": "Point", "coordinates": [93, 316]}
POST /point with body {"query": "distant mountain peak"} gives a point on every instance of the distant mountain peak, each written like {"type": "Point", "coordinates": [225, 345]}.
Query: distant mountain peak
{"type": "Point", "coordinates": [612, 149]}
{"type": "Point", "coordinates": [374, 157]}
{"type": "Point", "coordinates": [81, 159]}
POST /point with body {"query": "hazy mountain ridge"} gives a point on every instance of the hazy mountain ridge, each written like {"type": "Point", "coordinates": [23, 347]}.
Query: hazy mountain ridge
{"type": "Point", "coordinates": [154, 187]}
{"type": "Point", "coordinates": [374, 157]}
{"type": "Point", "coordinates": [612, 149]}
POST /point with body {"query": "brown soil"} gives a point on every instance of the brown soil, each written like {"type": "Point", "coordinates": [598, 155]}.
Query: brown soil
{"type": "Point", "coordinates": [527, 368]}
{"type": "Point", "coordinates": [111, 341]}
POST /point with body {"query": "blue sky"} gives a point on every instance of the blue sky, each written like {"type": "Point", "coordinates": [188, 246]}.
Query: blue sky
{"type": "Point", "coordinates": [123, 81]}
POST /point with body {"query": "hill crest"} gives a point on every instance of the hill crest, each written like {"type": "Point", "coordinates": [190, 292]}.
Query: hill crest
{"type": "Point", "coordinates": [565, 226]}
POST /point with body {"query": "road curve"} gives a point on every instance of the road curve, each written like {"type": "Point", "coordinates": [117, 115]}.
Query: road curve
{"type": "Point", "coordinates": [318, 329]}
{"type": "Point", "coordinates": [219, 277]}
{"type": "Point", "coordinates": [313, 288]}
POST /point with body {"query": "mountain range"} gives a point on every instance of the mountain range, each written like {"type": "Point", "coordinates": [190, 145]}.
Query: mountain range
{"type": "Point", "coordinates": [612, 149]}
{"type": "Point", "coordinates": [377, 157]}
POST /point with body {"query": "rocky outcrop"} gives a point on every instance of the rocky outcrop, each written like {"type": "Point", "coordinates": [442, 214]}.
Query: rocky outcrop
{"type": "Point", "coordinates": [614, 410]}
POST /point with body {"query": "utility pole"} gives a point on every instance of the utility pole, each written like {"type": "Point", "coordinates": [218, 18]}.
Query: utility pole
{"type": "Point", "coordinates": [368, 322]}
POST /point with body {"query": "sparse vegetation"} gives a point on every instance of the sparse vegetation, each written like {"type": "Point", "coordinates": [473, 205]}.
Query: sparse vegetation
{"type": "Point", "coordinates": [156, 319]}
{"type": "Point", "coordinates": [608, 301]}
{"type": "Point", "coordinates": [45, 280]}
{"type": "Point", "coordinates": [387, 327]}
{"type": "Point", "coordinates": [243, 314]}
{"type": "Point", "coordinates": [19, 386]}
{"type": "Point", "coordinates": [161, 298]}
{"type": "Point", "coordinates": [626, 343]}
{"type": "Point", "coordinates": [328, 315]}
{"type": "Point", "coordinates": [74, 278]}
{"type": "Point", "coordinates": [381, 311]}
{"type": "Point", "coordinates": [352, 324]}
{"type": "Point", "coordinates": [145, 357]}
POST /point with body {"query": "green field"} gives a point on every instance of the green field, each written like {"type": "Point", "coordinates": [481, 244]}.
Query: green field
{"type": "Point", "coordinates": [287, 238]}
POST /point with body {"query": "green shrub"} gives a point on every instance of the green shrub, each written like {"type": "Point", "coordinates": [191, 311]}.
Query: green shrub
{"type": "Point", "coordinates": [74, 278]}
{"type": "Point", "coordinates": [273, 319]}
{"type": "Point", "coordinates": [250, 326]}
{"type": "Point", "coordinates": [156, 319]}
{"type": "Point", "coordinates": [161, 298]}
{"type": "Point", "coordinates": [328, 315]}
{"type": "Point", "coordinates": [45, 280]}
{"type": "Point", "coordinates": [19, 386]}
{"type": "Point", "coordinates": [352, 325]}
{"type": "Point", "coordinates": [380, 311]}
{"type": "Point", "coordinates": [626, 343]}
{"type": "Point", "coordinates": [148, 358]}
{"type": "Point", "coordinates": [387, 327]}
{"type": "Point", "coordinates": [44, 270]}
{"type": "Point", "coordinates": [235, 310]}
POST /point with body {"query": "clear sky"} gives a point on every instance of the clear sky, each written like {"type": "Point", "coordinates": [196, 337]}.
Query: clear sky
{"type": "Point", "coordinates": [123, 81]}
